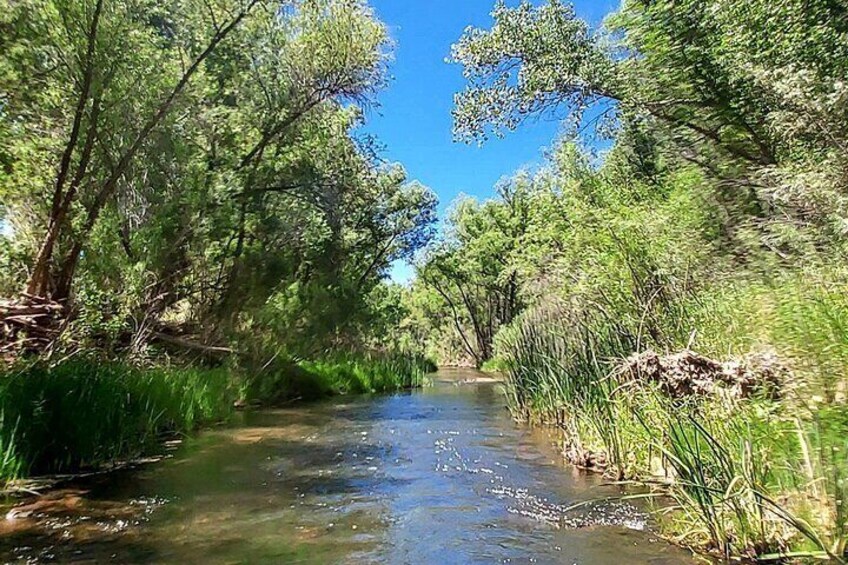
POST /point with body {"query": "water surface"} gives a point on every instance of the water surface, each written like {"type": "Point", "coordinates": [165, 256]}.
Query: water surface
{"type": "Point", "coordinates": [440, 475]}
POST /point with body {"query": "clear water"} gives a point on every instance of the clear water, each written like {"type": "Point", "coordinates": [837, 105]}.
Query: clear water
{"type": "Point", "coordinates": [440, 475]}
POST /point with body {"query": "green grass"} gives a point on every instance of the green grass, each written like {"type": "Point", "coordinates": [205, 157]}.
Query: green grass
{"type": "Point", "coordinates": [335, 374]}
{"type": "Point", "coordinates": [357, 374]}
{"type": "Point", "coordinates": [86, 414]}
{"type": "Point", "coordinates": [558, 371]}
{"type": "Point", "coordinates": [754, 478]}
{"type": "Point", "coordinates": [494, 366]}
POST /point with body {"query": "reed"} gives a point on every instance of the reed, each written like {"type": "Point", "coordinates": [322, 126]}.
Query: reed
{"type": "Point", "coordinates": [755, 478]}
{"type": "Point", "coordinates": [87, 413]}
{"type": "Point", "coordinates": [559, 367]}
{"type": "Point", "coordinates": [371, 372]}
{"type": "Point", "coordinates": [83, 414]}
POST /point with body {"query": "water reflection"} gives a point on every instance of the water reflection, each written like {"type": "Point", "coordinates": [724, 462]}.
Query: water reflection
{"type": "Point", "coordinates": [434, 476]}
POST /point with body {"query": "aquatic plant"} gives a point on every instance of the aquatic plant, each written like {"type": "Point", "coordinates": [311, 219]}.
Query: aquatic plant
{"type": "Point", "coordinates": [758, 477]}
{"type": "Point", "coordinates": [84, 413]}
{"type": "Point", "coordinates": [352, 373]}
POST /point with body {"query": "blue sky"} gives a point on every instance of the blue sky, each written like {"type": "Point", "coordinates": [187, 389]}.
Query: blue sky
{"type": "Point", "coordinates": [413, 118]}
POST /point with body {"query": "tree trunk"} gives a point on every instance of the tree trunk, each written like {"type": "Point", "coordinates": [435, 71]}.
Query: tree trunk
{"type": "Point", "coordinates": [67, 271]}
{"type": "Point", "coordinates": [39, 282]}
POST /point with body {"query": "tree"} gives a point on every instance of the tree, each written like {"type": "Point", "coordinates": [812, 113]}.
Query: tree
{"type": "Point", "coordinates": [204, 163]}
{"type": "Point", "coordinates": [473, 269]}
{"type": "Point", "coordinates": [694, 67]}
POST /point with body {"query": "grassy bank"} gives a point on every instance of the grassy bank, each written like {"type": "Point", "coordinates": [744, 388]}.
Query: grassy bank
{"type": "Point", "coordinates": [85, 414]}
{"type": "Point", "coordinates": [363, 374]}
{"type": "Point", "coordinates": [333, 374]}
{"type": "Point", "coordinates": [758, 477]}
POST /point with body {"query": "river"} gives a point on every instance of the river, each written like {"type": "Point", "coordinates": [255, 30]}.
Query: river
{"type": "Point", "coordinates": [438, 475]}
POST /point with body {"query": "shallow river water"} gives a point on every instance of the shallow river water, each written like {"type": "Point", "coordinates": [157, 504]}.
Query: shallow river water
{"type": "Point", "coordinates": [441, 475]}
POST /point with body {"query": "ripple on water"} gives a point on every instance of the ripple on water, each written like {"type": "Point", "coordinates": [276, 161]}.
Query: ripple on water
{"type": "Point", "coordinates": [437, 476]}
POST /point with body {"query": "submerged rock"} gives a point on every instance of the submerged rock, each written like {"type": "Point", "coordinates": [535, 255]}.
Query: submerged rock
{"type": "Point", "coordinates": [687, 373]}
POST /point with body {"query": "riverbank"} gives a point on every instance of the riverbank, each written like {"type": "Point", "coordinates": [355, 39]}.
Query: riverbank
{"type": "Point", "coordinates": [751, 445]}
{"type": "Point", "coordinates": [85, 414]}
{"type": "Point", "coordinates": [439, 474]}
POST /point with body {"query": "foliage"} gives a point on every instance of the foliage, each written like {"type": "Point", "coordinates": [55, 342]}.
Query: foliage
{"type": "Point", "coordinates": [356, 374]}
{"type": "Point", "coordinates": [715, 221]}
{"type": "Point", "coordinates": [190, 181]}
{"type": "Point", "coordinates": [203, 170]}
{"type": "Point", "coordinates": [83, 414]}
{"type": "Point", "coordinates": [470, 271]}
{"type": "Point", "coordinates": [755, 478]}
{"type": "Point", "coordinates": [87, 413]}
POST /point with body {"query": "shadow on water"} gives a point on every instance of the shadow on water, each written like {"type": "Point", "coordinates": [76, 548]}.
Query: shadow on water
{"type": "Point", "coordinates": [440, 475]}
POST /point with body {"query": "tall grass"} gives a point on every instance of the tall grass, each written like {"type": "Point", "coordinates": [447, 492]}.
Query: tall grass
{"type": "Point", "coordinates": [803, 318]}
{"type": "Point", "coordinates": [349, 373]}
{"type": "Point", "coordinates": [751, 478]}
{"type": "Point", "coordinates": [84, 414]}
{"type": "Point", "coordinates": [559, 370]}
{"type": "Point", "coordinates": [271, 375]}
{"type": "Point", "coordinates": [721, 473]}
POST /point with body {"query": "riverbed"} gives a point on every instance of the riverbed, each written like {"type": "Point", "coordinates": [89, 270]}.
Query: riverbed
{"type": "Point", "coordinates": [437, 475]}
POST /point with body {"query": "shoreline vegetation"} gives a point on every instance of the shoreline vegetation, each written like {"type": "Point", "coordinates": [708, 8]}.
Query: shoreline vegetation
{"type": "Point", "coordinates": [754, 471]}
{"type": "Point", "coordinates": [191, 217]}
{"type": "Point", "coordinates": [84, 415]}
{"type": "Point", "coordinates": [668, 286]}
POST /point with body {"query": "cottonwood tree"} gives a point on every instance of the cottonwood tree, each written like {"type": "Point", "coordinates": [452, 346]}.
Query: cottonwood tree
{"type": "Point", "coordinates": [473, 270]}
{"type": "Point", "coordinates": [209, 163]}
{"type": "Point", "coordinates": [692, 66]}
{"type": "Point", "coordinates": [110, 75]}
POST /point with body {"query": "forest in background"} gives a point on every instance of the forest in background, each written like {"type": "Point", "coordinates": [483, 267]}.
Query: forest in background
{"type": "Point", "coordinates": [676, 304]}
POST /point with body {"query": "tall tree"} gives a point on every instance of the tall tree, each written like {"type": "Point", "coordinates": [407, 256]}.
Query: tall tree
{"type": "Point", "coordinates": [473, 269]}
